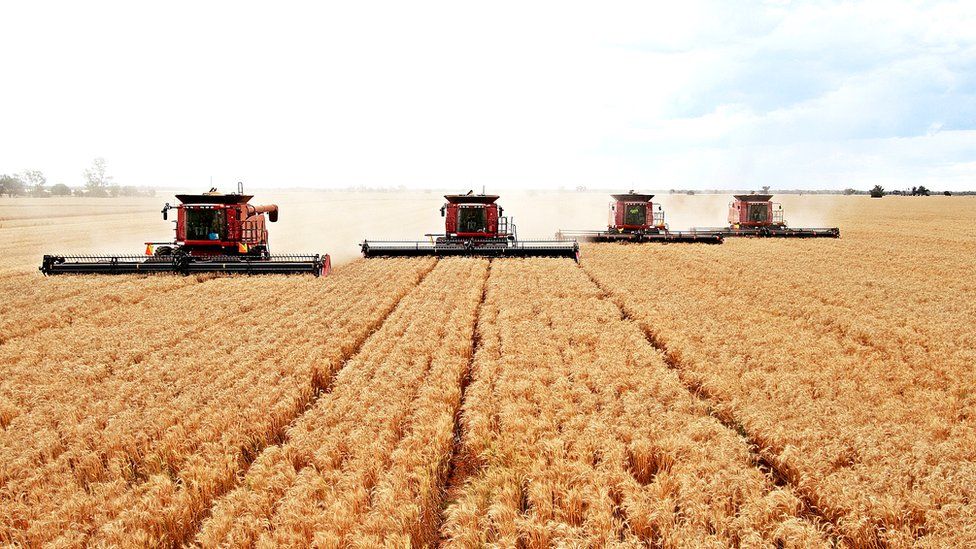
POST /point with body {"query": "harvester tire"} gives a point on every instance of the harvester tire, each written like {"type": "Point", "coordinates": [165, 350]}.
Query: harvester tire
{"type": "Point", "coordinates": [181, 263]}
{"type": "Point", "coordinates": [164, 251]}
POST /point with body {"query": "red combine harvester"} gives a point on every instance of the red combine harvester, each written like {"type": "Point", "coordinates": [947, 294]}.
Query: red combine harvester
{"type": "Point", "coordinates": [634, 218]}
{"type": "Point", "coordinates": [757, 215]}
{"type": "Point", "coordinates": [215, 232]}
{"type": "Point", "coordinates": [474, 226]}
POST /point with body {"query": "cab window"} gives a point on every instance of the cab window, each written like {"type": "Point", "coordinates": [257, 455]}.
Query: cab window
{"type": "Point", "coordinates": [205, 224]}
{"type": "Point", "coordinates": [758, 213]}
{"type": "Point", "coordinates": [472, 220]}
{"type": "Point", "coordinates": [635, 214]}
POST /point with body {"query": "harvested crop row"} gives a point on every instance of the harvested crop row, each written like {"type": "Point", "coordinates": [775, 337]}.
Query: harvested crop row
{"type": "Point", "coordinates": [576, 433]}
{"type": "Point", "coordinates": [59, 209]}
{"type": "Point", "coordinates": [23, 247]}
{"type": "Point", "coordinates": [867, 411]}
{"type": "Point", "coordinates": [138, 444]}
{"type": "Point", "coordinates": [366, 465]}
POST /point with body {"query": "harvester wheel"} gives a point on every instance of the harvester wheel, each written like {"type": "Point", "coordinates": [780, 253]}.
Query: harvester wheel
{"type": "Point", "coordinates": [181, 262]}
{"type": "Point", "coordinates": [164, 251]}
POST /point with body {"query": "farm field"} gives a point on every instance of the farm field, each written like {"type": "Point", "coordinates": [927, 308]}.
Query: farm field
{"type": "Point", "coordinates": [848, 364]}
{"type": "Point", "coordinates": [757, 393]}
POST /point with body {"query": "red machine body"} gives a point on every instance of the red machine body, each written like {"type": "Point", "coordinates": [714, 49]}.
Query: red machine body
{"type": "Point", "coordinates": [635, 212]}
{"type": "Point", "coordinates": [221, 224]}
{"type": "Point", "coordinates": [474, 216]}
{"type": "Point", "coordinates": [755, 210]}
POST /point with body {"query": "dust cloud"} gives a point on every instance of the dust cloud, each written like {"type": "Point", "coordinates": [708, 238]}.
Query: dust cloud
{"type": "Point", "coordinates": [336, 222]}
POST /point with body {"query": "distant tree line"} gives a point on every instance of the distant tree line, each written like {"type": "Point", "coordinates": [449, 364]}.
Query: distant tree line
{"type": "Point", "coordinates": [877, 192]}
{"type": "Point", "coordinates": [97, 183]}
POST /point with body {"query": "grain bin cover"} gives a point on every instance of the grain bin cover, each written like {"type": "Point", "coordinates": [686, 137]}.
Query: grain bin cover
{"type": "Point", "coordinates": [632, 197]}
{"type": "Point", "coordinates": [753, 197]}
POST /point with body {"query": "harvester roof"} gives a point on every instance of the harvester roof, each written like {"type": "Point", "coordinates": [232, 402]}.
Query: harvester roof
{"type": "Point", "coordinates": [753, 197]}
{"type": "Point", "coordinates": [471, 198]}
{"type": "Point", "coordinates": [632, 197]}
{"type": "Point", "coordinates": [214, 198]}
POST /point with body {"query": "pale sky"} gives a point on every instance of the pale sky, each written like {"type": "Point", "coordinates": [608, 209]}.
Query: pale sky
{"type": "Point", "coordinates": [503, 94]}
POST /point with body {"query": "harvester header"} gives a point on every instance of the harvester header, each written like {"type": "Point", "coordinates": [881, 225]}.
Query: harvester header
{"type": "Point", "coordinates": [215, 232]}
{"type": "Point", "coordinates": [474, 225]}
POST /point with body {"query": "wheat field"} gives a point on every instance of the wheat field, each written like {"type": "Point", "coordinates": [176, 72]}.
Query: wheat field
{"type": "Point", "coordinates": [762, 393]}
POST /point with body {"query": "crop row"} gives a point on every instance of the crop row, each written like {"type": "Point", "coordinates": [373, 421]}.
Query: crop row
{"type": "Point", "coordinates": [576, 433]}
{"type": "Point", "coordinates": [366, 464]}
{"type": "Point", "coordinates": [848, 369]}
{"type": "Point", "coordinates": [129, 422]}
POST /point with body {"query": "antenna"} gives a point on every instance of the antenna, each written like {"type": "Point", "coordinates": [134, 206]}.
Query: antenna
{"type": "Point", "coordinates": [482, 189]}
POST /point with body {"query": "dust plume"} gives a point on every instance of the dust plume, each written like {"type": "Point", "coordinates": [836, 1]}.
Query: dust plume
{"type": "Point", "coordinates": [335, 222]}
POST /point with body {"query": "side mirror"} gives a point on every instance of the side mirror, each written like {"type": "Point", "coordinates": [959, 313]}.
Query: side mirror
{"type": "Point", "coordinates": [166, 211]}
{"type": "Point", "coordinates": [443, 208]}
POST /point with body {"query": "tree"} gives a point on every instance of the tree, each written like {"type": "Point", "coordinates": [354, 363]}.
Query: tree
{"type": "Point", "coordinates": [765, 189]}
{"type": "Point", "coordinates": [35, 181]}
{"type": "Point", "coordinates": [96, 179]}
{"type": "Point", "coordinates": [877, 191]}
{"type": "Point", "coordinates": [61, 190]}
{"type": "Point", "coordinates": [11, 185]}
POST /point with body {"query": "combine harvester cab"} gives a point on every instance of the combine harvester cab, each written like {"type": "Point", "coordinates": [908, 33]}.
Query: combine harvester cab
{"type": "Point", "coordinates": [756, 215]}
{"type": "Point", "coordinates": [473, 226]}
{"type": "Point", "coordinates": [215, 232]}
{"type": "Point", "coordinates": [635, 218]}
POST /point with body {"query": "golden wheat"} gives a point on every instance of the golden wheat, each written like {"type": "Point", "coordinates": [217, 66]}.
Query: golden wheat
{"type": "Point", "coordinates": [132, 438]}
{"type": "Point", "coordinates": [366, 464]}
{"type": "Point", "coordinates": [579, 435]}
{"type": "Point", "coordinates": [809, 392]}
{"type": "Point", "coordinates": [848, 362]}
